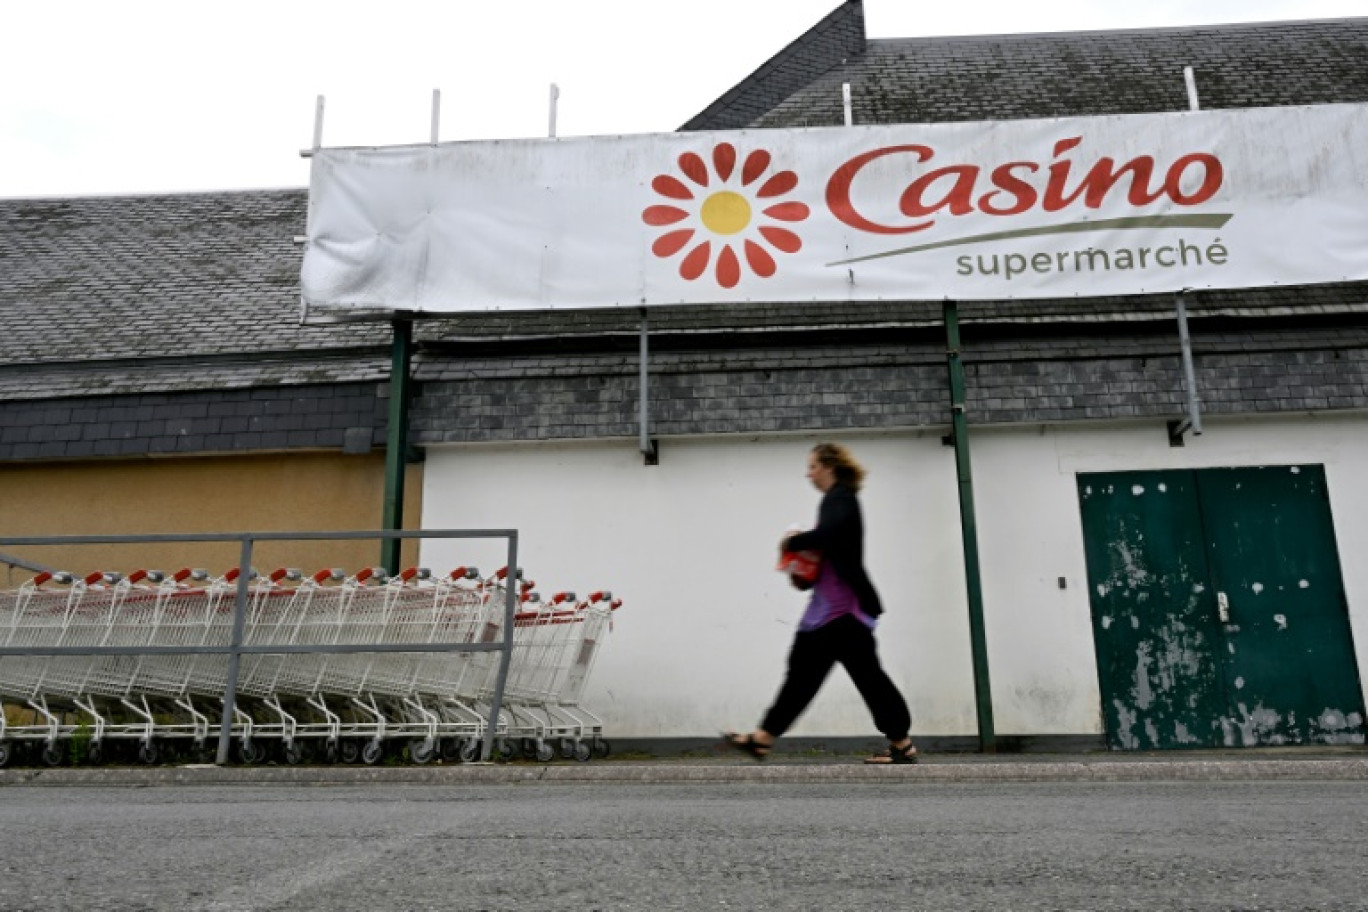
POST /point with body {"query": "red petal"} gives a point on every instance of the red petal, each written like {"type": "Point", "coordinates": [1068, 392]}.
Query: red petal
{"type": "Point", "coordinates": [670, 243]}
{"type": "Point", "coordinates": [782, 238]}
{"type": "Point", "coordinates": [728, 268]}
{"type": "Point", "coordinates": [788, 212]}
{"type": "Point", "coordinates": [756, 163]}
{"type": "Point", "coordinates": [663, 215]}
{"type": "Point", "coordinates": [761, 263]}
{"type": "Point", "coordinates": [694, 168]}
{"type": "Point", "coordinates": [724, 160]}
{"type": "Point", "coordinates": [782, 182]}
{"type": "Point", "coordinates": [696, 261]}
{"type": "Point", "coordinates": [672, 187]}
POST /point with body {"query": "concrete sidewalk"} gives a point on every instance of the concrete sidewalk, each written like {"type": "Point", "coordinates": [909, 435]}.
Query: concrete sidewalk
{"type": "Point", "coordinates": [1316, 764]}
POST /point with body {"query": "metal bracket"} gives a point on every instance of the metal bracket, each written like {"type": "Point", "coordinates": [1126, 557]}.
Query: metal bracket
{"type": "Point", "coordinates": [1193, 420]}
{"type": "Point", "coordinates": [650, 452]}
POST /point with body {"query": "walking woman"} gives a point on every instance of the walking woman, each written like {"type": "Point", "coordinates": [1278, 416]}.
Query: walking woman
{"type": "Point", "coordinates": [838, 625]}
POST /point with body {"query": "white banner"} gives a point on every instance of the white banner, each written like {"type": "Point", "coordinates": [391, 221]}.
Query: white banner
{"type": "Point", "coordinates": [1060, 208]}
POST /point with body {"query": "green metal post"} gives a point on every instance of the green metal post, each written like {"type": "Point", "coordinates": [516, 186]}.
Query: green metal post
{"type": "Point", "coordinates": [396, 445]}
{"type": "Point", "coordinates": [983, 691]}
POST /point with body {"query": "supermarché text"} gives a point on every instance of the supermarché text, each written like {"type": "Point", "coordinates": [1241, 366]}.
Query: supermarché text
{"type": "Point", "coordinates": [1091, 259]}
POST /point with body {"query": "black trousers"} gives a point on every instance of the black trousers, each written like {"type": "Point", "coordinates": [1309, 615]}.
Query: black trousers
{"type": "Point", "coordinates": [851, 643]}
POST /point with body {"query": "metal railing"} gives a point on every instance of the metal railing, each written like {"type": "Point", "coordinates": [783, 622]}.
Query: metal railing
{"type": "Point", "coordinates": [235, 650]}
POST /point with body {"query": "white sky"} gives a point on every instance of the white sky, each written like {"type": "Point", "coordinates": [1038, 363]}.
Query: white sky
{"type": "Point", "coordinates": [139, 96]}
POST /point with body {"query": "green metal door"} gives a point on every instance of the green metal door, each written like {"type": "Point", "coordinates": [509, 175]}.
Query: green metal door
{"type": "Point", "coordinates": [1218, 609]}
{"type": "Point", "coordinates": [1289, 657]}
{"type": "Point", "coordinates": [1153, 610]}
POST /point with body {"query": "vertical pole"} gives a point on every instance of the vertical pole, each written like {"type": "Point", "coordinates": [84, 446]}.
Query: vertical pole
{"type": "Point", "coordinates": [512, 584]}
{"type": "Point", "coordinates": [969, 532]}
{"type": "Point", "coordinates": [551, 119]}
{"type": "Point", "coordinates": [1194, 419]}
{"type": "Point", "coordinates": [436, 114]}
{"type": "Point", "coordinates": [845, 103]}
{"type": "Point", "coordinates": [235, 657]}
{"type": "Point", "coordinates": [396, 445]}
{"type": "Point", "coordinates": [318, 124]}
{"type": "Point", "coordinates": [645, 443]}
{"type": "Point", "coordinates": [1190, 81]}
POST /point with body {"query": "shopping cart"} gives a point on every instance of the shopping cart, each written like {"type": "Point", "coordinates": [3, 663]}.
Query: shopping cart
{"type": "Point", "coordinates": [350, 704]}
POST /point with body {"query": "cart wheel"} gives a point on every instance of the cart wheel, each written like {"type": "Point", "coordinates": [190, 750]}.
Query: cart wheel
{"type": "Point", "coordinates": [371, 753]}
{"type": "Point", "coordinates": [506, 751]}
{"type": "Point", "coordinates": [53, 753]}
{"type": "Point", "coordinates": [583, 752]}
{"type": "Point", "coordinates": [545, 752]}
{"type": "Point", "coordinates": [251, 753]}
{"type": "Point", "coordinates": [5, 753]}
{"type": "Point", "coordinates": [94, 753]}
{"type": "Point", "coordinates": [147, 752]}
{"type": "Point", "coordinates": [294, 753]}
{"type": "Point", "coordinates": [350, 751]}
{"type": "Point", "coordinates": [422, 750]}
{"type": "Point", "coordinates": [331, 752]}
{"type": "Point", "coordinates": [530, 748]}
{"type": "Point", "coordinates": [470, 750]}
{"type": "Point", "coordinates": [601, 748]}
{"type": "Point", "coordinates": [567, 748]}
{"type": "Point", "coordinates": [450, 749]}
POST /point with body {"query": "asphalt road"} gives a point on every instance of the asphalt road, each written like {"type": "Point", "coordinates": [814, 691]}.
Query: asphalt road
{"type": "Point", "coordinates": [1281, 846]}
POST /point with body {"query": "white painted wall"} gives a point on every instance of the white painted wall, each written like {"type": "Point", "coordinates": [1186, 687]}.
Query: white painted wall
{"type": "Point", "coordinates": [1044, 670]}
{"type": "Point", "coordinates": [701, 640]}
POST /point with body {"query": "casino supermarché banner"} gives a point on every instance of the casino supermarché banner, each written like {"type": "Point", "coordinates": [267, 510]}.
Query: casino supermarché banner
{"type": "Point", "coordinates": [1069, 207]}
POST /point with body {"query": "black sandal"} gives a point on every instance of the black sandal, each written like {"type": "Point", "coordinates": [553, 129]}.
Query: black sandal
{"type": "Point", "coordinates": [747, 744]}
{"type": "Point", "coordinates": [895, 755]}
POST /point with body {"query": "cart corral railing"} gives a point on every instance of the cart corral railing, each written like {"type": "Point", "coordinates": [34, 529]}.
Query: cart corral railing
{"type": "Point", "coordinates": [236, 648]}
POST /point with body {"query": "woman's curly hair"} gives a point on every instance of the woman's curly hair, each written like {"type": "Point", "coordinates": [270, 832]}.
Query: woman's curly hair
{"type": "Point", "coordinates": [837, 458]}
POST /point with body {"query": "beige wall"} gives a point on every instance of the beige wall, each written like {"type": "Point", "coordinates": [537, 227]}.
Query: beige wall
{"type": "Point", "coordinates": [282, 492]}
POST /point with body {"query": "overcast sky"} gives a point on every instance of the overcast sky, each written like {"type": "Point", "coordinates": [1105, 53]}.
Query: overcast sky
{"type": "Point", "coordinates": [141, 96]}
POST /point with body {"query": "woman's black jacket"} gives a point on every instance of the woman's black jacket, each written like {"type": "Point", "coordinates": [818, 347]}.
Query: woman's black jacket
{"type": "Point", "coordinates": [839, 537]}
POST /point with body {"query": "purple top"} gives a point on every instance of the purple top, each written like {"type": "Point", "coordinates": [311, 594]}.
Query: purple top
{"type": "Point", "coordinates": [831, 599]}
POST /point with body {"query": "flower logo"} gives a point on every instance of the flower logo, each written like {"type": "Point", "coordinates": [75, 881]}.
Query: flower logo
{"type": "Point", "coordinates": [721, 205]}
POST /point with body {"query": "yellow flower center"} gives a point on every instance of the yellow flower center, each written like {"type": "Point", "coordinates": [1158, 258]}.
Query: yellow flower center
{"type": "Point", "coordinates": [726, 212]}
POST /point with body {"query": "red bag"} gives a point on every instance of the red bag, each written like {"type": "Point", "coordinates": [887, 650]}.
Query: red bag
{"type": "Point", "coordinates": [803, 567]}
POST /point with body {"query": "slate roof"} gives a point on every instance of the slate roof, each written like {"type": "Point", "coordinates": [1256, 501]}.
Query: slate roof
{"type": "Point", "coordinates": [1010, 77]}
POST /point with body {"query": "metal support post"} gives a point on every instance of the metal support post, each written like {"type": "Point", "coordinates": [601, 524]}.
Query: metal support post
{"type": "Point", "coordinates": [396, 445]}
{"type": "Point", "coordinates": [969, 532]}
{"type": "Point", "coordinates": [512, 585]}
{"type": "Point", "coordinates": [235, 658]}
{"type": "Point", "coordinates": [1193, 421]}
{"type": "Point", "coordinates": [649, 453]}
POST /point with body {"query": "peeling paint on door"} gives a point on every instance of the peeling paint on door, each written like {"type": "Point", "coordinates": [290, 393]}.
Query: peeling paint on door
{"type": "Point", "coordinates": [1275, 664]}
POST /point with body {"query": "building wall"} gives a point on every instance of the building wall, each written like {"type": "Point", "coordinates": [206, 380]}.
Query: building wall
{"type": "Point", "coordinates": [689, 545]}
{"type": "Point", "coordinates": [280, 492]}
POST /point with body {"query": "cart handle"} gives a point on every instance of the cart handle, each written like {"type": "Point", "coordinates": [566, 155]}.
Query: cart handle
{"type": "Point", "coordinates": [367, 572]}
{"type": "Point", "coordinates": [335, 574]}
{"type": "Point", "coordinates": [185, 573]}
